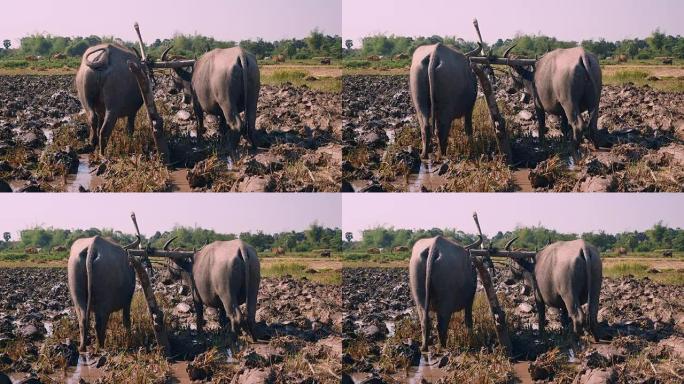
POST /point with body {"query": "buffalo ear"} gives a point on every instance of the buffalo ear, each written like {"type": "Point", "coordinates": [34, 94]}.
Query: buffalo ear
{"type": "Point", "coordinates": [183, 74]}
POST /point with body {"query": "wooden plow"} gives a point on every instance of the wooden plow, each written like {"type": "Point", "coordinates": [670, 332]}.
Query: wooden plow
{"type": "Point", "coordinates": [481, 258]}
{"type": "Point", "coordinates": [478, 64]}
{"type": "Point", "coordinates": [139, 259]}
{"type": "Point", "coordinates": [143, 75]}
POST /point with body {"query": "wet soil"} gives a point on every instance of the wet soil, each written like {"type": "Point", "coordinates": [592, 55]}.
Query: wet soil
{"type": "Point", "coordinates": [641, 134]}
{"type": "Point", "coordinates": [298, 323]}
{"type": "Point", "coordinates": [298, 138]}
{"type": "Point", "coordinates": [642, 326]}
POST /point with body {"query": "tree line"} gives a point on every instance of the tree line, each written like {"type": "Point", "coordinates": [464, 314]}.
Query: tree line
{"type": "Point", "coordinates": [658, 44]}
{"type": "Point", "coordinates": [316, 44]}
{"type": "Point", "coordinates": [313, 238]}
{"type": "Point", "coordinates": [657, 237]}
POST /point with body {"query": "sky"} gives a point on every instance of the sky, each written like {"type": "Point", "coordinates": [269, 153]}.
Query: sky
{"type": "Point", "coordinates": [564, 212]}
{"type": "Point", "coordinates": [222, 212]}
{"type": "Point", "coordinates": [222, 19]}
{"type": "Point", "coordinates": [566, 20]}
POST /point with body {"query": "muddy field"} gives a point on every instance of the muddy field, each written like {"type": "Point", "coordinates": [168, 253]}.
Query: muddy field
{"type": "Point", "coordinates": [642, 323]}
{"type": "Point", "coordinates": [299, 327]}
{"type": "Point", "coordinates": [641, 129]}
{"type": "Point", "coordinates": [43, 143]}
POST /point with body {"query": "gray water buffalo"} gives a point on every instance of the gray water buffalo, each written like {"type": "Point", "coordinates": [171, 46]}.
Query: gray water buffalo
{"type": "Point", "coordinates": [226, 274]}
{"type": "Point", "coordinates": [564, 82]}
{"type": "Point", "coordinates": [223, 82]}
{"type": "Point", "coordinates": [443, 278]}
{"type": "Point", "coordinates": [568, 275]}
{"type": "Point", "coordinates": [443, 87]}
{"type": "Point", "coordinates": [100, 281]}
{"type": "Point", "coordinates": [108, 90]}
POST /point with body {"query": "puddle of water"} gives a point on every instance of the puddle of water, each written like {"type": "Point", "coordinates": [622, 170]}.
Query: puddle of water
{"type": "Point", "coordinates": [571, 163]}
{"type": "Point", "coordinates": [391, 328]}
{"type": "Point", "coordinates": [48, 328]}
{"type": "Point", "coordinates": [522, 180]}
{"type": "Point", "coordinates": [179, 180]}
{"type": "Point", "coordinates": [229, 163]}
{"type": "Point", "coordinates": [85, 369]}
{"type": "Point", "coordinates": [425, 370]}
{"type": "Point", "coordinates": [391, 134]}
{"type": "Point", "coordinates": [48, 135]}
{"type": "Point", "coordinates": [82, 177]}
{"type": "Point", "coordinates": [425, 177]}
{"type": "Point", "coordinates": [522, 373]}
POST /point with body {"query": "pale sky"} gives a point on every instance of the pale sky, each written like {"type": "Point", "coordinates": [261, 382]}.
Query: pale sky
{"type": "Point", "coordinates": [222, 212]}
{"type": "Point", "coordinates": [566, 20]}
{"type": "Point", "coordinates": [221, 19]}
{"type": "Point", "coordinates": [565, 212]}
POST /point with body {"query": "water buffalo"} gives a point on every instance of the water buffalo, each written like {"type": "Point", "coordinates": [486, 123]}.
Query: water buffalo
{"type": "Point", "coordinates": [568, 274]}
{"type": "Point", "coordinates": [102, 281]}
{"type": "Point", "coordinates": [442, 278]}
{"type": "Point", "coordinates": [226, 274]}
{"type": "Point", "coordinates": [279, 58]}
{"type": "Point", "coordinates": [223, 82]}
{"type": "Point", "coordinates": [326, 61]}
{"type": "Point", "coordinates": [564, 82]}
{"type": "Point", "coordinates": [443, 87]}
{"type": "Point", "coordinates": [108, 90]}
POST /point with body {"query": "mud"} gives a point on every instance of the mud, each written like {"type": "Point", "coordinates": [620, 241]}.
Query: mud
{"type": "Point", "coordinates": [642, 325]}
{"type": "Point", "coordinates": [299, 326]}
{"type": "Point", "coordinates": [298, 138]}
{"type": "Point", "coordinates": [641, 134]}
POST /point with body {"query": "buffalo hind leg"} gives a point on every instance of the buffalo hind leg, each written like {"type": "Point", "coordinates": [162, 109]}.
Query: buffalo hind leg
{"type": "Point", "coordinates": [101, 320]}
{"type": "Point", "coordinates": [230, 304]}
{"type": "Point", "coordinates": [127, 317]}
{"type": "Point", "coordinates": [565, 127]}
{"type": "Point", "coordinates": [199, 315]}
{"type": "Point", "coordinates": [106, 130]}
{"type": "Point", "coordinates": [94, 122]}
{"type": "Point", "coordinates": [425, 131]}
{"type": "Point", "coordinates": [593, 310]}
{"type": "Point", "coordinates": [576, 313]}
{"type": "Point", "coordinates": [443, 128]}
{"type": "Point", "coordinates": [424, 317]}
{"type": "Point", "coordinates": [83, 328]}
{"type": "Point", "coordinates": [541, 124]}
{"type": "Point", "coordinates": [577, 129]}
{"type": "Point", "coordinates": [541, 313]}
{"type": "Point", "coordinates": [251, 311]}
{"type": "Point", "coordinates": [468, 318]}
{"type": "Point", "coordinates": [443, 320]}
{"type": "Point", "coordinates": [199, 116]}
{"type": "Point", "coordinates": [130, 124]}
{"type": "Point", "coordinates": [468, 127]}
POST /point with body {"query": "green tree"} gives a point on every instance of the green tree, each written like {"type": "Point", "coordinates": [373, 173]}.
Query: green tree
{"type": "Point", "coordinates": [7, 43]}
{"type": "Point", "coordinates": [7, 236]}
{"type": "Point", "coordinates": [349, 43]}
{"type": "Point", "coordinates": [349, 236]}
